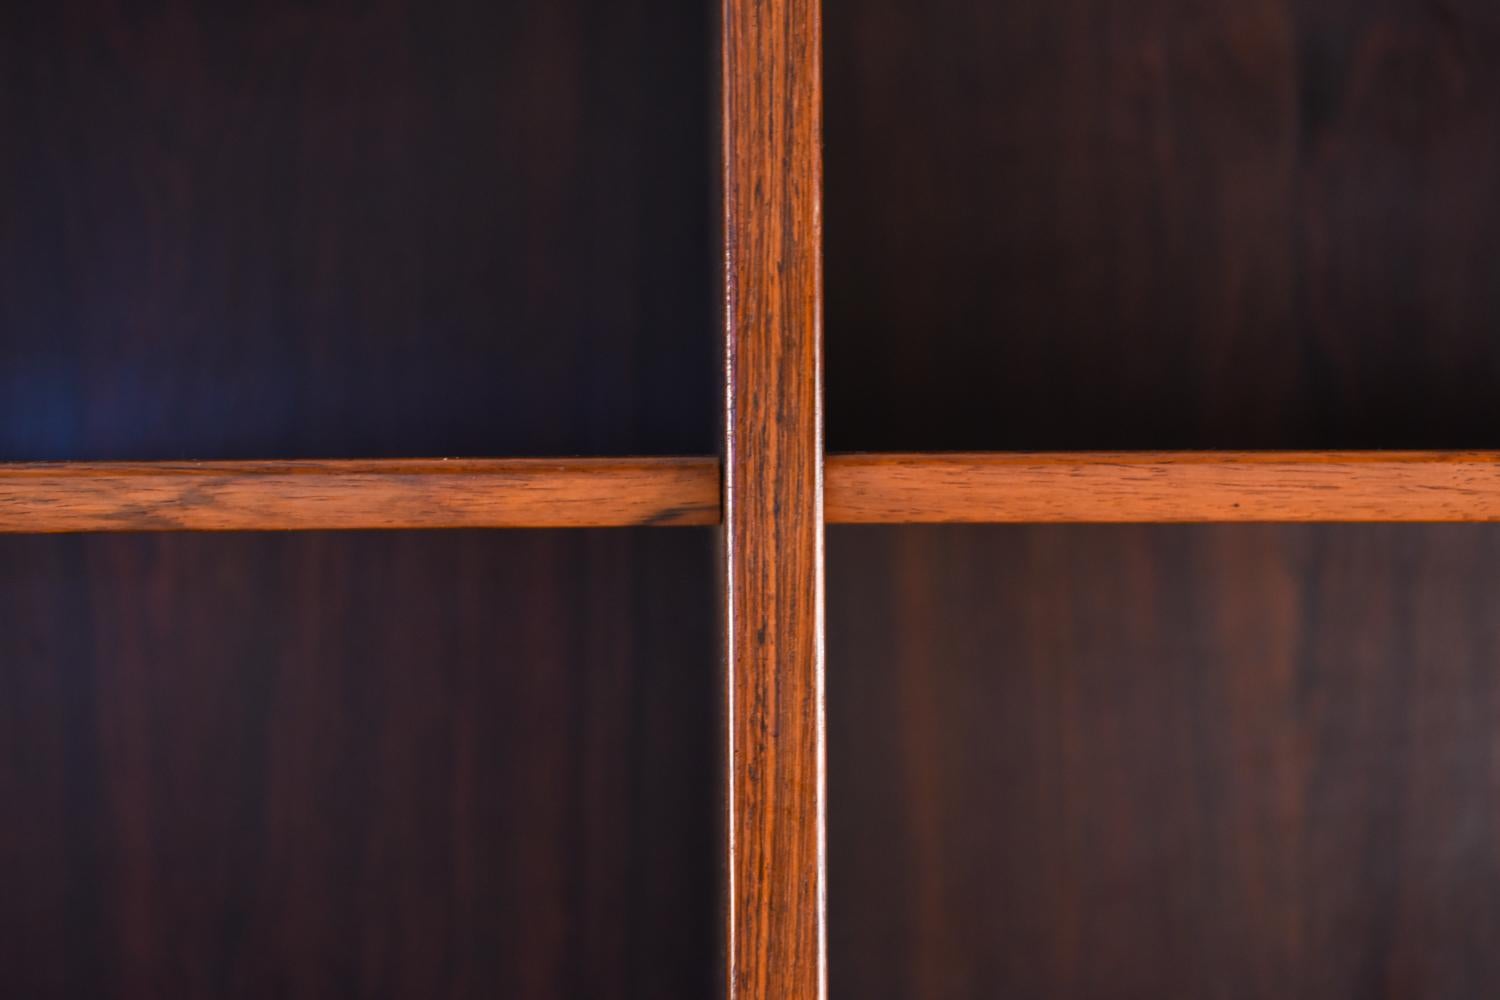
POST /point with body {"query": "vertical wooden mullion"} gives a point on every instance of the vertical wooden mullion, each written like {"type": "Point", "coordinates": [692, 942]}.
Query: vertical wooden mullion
{"type": "Point", "coordinates": [773, 516]}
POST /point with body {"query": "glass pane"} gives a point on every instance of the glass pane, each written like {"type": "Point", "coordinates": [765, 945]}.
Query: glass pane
{"type": "Point", "coordinates": [397, 228]}
{"type": "Point", "coordinates": [1164, 762]}
{"type": "Point", "coordinates": [462, 764]}
{"type": "Point", "coordinates": [1207, 224]}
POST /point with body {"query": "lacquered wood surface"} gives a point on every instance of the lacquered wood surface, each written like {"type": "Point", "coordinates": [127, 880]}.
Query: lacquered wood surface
{"type": "Point", "coordinates": [1029, 488]}
{"type": "Point", "coordinates": [1103, 762]}
{"type": "Point", "coordinates": [773, 500]}
{"type": "Point", "coordinates": [386, 229]}
{"type": "Point", "coordinates": [1170, 487]}
{"type": "Point", "coordinates": [392, 494]}
{"type": "Point", "coordinates": [1080, 224]}
{"type": "Point", "coordinates": [403, 765]}
{"type": "Point", "coordinates": [470, 764]}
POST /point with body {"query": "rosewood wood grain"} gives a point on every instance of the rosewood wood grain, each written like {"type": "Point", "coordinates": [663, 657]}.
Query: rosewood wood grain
{"type": "Point", "coordinates": [1167, 487]}
{"type": "Point", "coordinates": [773, 530]}
{"type": "Point", "coordinates": [284, 496]}
{"type": "Point", "coordinates": [1176, 224]}
{"type": "Point", "coordinates": [1082, 487]}
{"type": "Point", "coordinates": [453, 765]}
{"type": "Point", "coordinates": [357, 230]}
{"type": "Point", "coordinates": [1098, 762]}
{"type": "Point", "coordinates": [392, 764]}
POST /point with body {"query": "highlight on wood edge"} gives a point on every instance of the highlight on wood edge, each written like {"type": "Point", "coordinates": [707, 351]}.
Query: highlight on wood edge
{"type": "Point", "coordinates": [1010, 488]}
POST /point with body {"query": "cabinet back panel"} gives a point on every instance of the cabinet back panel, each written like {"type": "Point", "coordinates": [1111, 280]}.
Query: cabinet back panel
{"type": "Point", "coordinates": [1250, 762]}
{"type": "Point", "coordinates": [1162, 224]}
{"type": "Point", "coordinates": [394, 765]}
{"type": "Point", "coordinates": [375, 229]}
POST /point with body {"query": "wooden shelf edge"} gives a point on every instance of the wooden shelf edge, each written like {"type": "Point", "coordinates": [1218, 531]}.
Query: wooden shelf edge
{"type": "Point", "coordinates": [358, 495]}
{"type": "Point", "coordinates": [1165, 487]}
{"type": "Point", "coordinates": [1009, 488]}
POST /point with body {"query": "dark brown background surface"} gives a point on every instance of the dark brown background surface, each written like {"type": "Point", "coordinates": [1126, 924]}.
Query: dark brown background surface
{"type": "Point", "coordinates": [1250, 762]}
{"type": "Point", "coordinates": [383, 228]}
{"type": "Point", "coordinates": [1163, 224]}
{"type": "Point", "coordinates": [402, 765]}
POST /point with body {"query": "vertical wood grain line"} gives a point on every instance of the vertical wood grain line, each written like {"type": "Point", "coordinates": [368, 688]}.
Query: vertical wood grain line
{"type": "Point", "coordinates": [773, 497]}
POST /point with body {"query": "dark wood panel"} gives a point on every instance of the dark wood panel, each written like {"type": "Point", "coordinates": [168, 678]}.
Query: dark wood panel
{"type": "Point", "coordinates": [773, 499]}
{"type": "Point", "coordinates": [400, 765]}
{"type": "Point", "coordinates": [395, 228]}
{"type": "Point", "coordinates": [389, 765]}
{"type": "Point", "coordinates": [1172, 761]}
{"type": "Point", "coordinates": [1064, 224]}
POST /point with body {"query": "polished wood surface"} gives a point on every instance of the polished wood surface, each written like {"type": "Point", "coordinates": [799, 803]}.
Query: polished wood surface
{"type": "Point", "coordinates": [1030, 488]}
{"type": "Point", "coordinates": [773, 500]}
{"type": "Point", "coordinates": [1103, 762]}
{"type": "Point", "coordinates": [1164, 224]}
{"type": "Point", "coordinates": [1083, 762]}
{"type": "Point", "coordinates": [466, 764]}
{"type": "Point", "coordinates": [385, 229]}
{"type": "Point", "coordinates": [459, 764]}
{"type": "Point", "coordinates": [1099, 762]}
{"type": "Point", "coordinates": [1175, 487]}
{"type": "Point", "coordinates": [300, 496]}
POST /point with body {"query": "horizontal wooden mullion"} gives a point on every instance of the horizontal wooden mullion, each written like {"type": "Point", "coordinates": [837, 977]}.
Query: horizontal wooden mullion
{"type": "Point", "coordinates": [345, 495]}
{"type": "Point", "coordinates": [1164, 487]}
{"type": "Point", "coordinates": [1011, 488]}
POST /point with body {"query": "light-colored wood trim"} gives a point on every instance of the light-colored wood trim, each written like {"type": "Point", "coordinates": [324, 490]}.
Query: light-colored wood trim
{"type": "Point", "coordinates": [773, 515]}
{"type": "Point", "coordinates": [1164, 487]}
{"type": "Point", "coordinates": [313, 495]}
{"type": "Point", "coordinates": [1058, 488]}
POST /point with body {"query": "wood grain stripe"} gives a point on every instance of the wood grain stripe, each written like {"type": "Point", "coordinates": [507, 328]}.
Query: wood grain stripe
{"type": "Point", "coordinates": [773, 532]}
{"type": "Point", "coordinates": [1063, 488]}
{"type": "Point", "coordinates": [1164, 487]}
{"type": "Point", "coordinates": [311, 495]}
